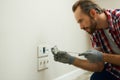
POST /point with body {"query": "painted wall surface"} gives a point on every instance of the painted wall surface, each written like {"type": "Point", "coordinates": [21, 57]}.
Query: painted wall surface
{"type": "Point", "coordinates": [109, 4]}
{"type": "Point", "coordinates": [25, 24]}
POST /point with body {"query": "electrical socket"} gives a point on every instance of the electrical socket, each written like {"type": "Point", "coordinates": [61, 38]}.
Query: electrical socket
{"type": "Point", "coordinates": [43, 63]}
{"type": "Point", "coordinates": [43, 50]}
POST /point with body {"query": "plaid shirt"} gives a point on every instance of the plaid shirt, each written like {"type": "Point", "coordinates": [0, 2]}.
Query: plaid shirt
{"type": "Point", "coordinates": [99, 39]}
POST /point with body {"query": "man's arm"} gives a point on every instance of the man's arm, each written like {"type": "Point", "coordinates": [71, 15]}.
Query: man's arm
{"type": "Point", "coordinates": [64, 57]}
{"type": "Point", "coordinates": [99, 56]}
{"type": "Point", "coordinates": [85, 64]}
{"type": "Point", "coordinates": [111, 58]}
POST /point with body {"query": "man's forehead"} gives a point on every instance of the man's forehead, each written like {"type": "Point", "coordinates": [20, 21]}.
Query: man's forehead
{"type": "Point", "coordinates": [78, 13]}
{"type": "Point", "coordinates": [78, 10]}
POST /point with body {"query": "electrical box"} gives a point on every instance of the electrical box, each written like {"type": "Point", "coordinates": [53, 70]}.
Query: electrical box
{"type": "Point", "coordinates": [43, 52]}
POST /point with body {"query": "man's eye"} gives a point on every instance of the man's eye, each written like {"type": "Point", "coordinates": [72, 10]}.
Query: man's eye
{"type": "Point", "coordinates": [80, 21]}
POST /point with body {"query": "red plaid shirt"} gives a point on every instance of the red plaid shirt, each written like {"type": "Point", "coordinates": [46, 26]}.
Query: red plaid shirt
{"type": "Point", "coordinates": [99, 39]}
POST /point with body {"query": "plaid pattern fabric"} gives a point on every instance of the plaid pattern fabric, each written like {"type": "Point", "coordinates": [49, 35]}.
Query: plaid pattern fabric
{"type": "Point", "coordinates": [99, 39]}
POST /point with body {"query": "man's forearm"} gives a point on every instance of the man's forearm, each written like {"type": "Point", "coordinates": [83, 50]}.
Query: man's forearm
{"type": "Point", "coordinates": [84, 64]}
{"type": "Point", "coordinates": [111, 58]}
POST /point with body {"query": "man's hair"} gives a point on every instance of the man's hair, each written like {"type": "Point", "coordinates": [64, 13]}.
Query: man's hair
{"type": "Point", "coordinates": [86, 6]}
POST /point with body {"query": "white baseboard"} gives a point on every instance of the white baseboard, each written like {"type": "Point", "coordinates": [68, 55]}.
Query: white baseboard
{"type": "Point", "coordinates": [71, 75]}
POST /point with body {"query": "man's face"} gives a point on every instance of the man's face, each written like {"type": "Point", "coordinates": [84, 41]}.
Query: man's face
{"type": "Point", "coordinates": [86, 22]}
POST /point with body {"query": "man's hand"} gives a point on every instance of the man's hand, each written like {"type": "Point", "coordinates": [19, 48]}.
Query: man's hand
{"type": "Point", "coordinates": [62, 56]}
{"type": "Point", "coordinates": [93, 55]}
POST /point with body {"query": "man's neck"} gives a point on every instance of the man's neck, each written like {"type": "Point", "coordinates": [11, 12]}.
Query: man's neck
{"type": "Point", "coordinates": [103, 23]}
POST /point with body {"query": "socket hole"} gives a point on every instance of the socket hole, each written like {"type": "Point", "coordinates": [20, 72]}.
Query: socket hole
{"type": "Point", "coordinates": [44, 50]}
{"type": "Point", "coordinates": [44, 62]}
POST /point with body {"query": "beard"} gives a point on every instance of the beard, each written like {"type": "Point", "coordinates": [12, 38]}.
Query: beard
{"type": "Point", "coordinates": [92, 27]}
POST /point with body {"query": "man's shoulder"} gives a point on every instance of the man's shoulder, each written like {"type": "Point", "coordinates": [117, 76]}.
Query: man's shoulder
{"type": "Point", "coordinates": [112, 11]}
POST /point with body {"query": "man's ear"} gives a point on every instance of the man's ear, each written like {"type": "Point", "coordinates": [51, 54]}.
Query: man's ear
{"type": "Point", "coordinates": [93, 13]}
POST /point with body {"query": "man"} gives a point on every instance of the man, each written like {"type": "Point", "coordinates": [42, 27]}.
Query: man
{"type": "Point", "coordinates": [104, 29]}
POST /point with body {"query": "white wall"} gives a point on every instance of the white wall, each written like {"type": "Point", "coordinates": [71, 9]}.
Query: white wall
{"type": "Point", "coordinates": [24, 24]}
{"type": "Point", "coordinates": [109, 4]}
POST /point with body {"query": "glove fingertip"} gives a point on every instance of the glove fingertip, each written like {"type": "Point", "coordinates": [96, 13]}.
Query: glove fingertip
{"type": "Point", "coordinates": [82, 54]}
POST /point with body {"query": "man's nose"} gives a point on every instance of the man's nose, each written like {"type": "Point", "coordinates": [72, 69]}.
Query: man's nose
{"type": "Point", "coordinates": [81, 26]}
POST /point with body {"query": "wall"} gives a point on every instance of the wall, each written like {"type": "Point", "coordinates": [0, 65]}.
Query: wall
{"type": "Point", "coordinates": [25, 24]}
{"type": "Point", "coordinates": [107, 4]}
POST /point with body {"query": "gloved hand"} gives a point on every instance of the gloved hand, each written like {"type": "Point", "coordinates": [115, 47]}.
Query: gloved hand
{"type": "Point", "coordinates": [93, 55]}
{"type": "Point", "coordinates": [62, 56]}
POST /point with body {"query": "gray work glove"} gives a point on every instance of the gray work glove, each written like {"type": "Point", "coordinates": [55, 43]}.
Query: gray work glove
{"type": "Point", "coordinates": [64, 57]}
{"type": "Point", "coordinates": [93, 55]}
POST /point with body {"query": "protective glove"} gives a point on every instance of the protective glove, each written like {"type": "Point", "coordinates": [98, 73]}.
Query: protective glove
{"type": "Point", "coordinates": [93, 55]}
{"type": "Point", "coordinates": [62, 56]}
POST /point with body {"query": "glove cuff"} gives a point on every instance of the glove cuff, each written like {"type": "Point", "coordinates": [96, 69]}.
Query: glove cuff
{"type": "Point", "coordinates": [71, 60]}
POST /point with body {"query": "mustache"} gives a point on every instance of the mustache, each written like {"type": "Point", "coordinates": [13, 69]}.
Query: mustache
{"type": "Point", "coordinates": [85, 28]}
